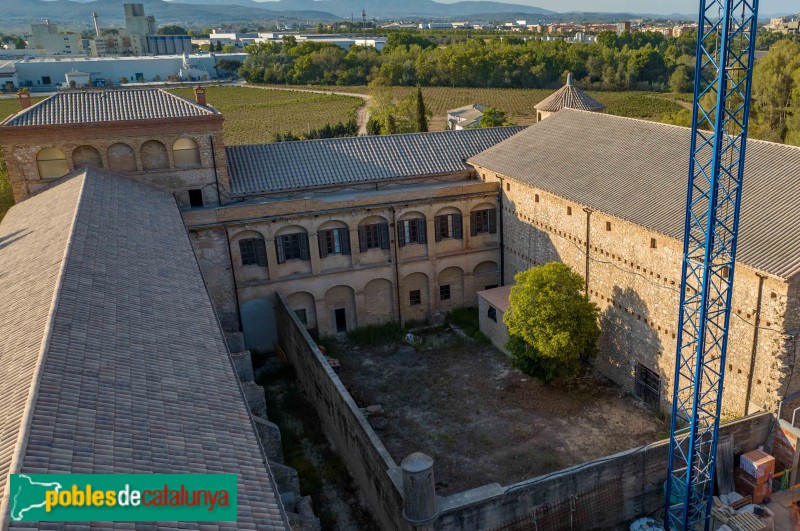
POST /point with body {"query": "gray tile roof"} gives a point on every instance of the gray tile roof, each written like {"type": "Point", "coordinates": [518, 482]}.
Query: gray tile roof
{"type": "Point", "coordinates": [92, 106]}
{"type": "Point", "coordinates": [638, 170]}
{"type": "Point", "coordinates": [569, 97]}
{"type": "Point", "coordinates": [100, 286]}
{"type": "Point", "coordinates": [318, 163]}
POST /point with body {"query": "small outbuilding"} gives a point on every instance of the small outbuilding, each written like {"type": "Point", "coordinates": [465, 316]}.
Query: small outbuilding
{"type": "Point", "coordinates": [492, 305]}
{"type": "Point", "coordinates": [465, 117]}
{"type": "Point", "coordinates": [569, 96]}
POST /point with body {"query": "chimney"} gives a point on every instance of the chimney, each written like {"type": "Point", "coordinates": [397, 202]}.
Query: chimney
{"type": "Point", "coordinates": [569, 78]}
{"type": "Point", "coordinates": [199, 95]}
{"type": "Point", "coordinates": [24, 100]}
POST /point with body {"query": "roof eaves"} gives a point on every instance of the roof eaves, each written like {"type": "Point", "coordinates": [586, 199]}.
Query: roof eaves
{"type": "Point", "coordinates": [33, 393]}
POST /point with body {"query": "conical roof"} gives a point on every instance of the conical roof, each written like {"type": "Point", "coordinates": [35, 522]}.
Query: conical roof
{"type": "Point", "coordinates": [571, 97]}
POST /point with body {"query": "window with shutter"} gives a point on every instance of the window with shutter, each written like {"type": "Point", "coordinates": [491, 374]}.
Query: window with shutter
{"type": "Point", "coordinates": [373, 236]}
{"type": "Point", "coordinates": [253, 252]}
{"type": "Point", "coordinates": [402, 227]}
{"type": "Point", "coordinates": [292, 247]}
{"type": "Point", "coordinates": [334, 241]}
{"type": "Point", "coordinates": [384, 235]}
{"type": "Point", "coordinates": [447, 227]}
{"type": "Point", "coordinates": [411, 231]}
{"type": "Point", "coordinates": [484, 222]}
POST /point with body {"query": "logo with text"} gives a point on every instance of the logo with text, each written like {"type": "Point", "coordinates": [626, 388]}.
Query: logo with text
{"type": "Point", "coordinates": [123, 497]}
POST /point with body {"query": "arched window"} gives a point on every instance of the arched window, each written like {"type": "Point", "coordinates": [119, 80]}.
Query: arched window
{"type": "Point", "coordinates": [186, 153]}
{"type": "Point", "coordinates": [52, 163]}
{"type": "Point", "coordinates": [86, 155]}
{"type": "Point", "coordinates": [121, 158]}
{"type": "Point", "coordinates": [154, 156]}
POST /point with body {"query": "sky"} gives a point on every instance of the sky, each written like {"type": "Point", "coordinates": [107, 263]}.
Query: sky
{"type": "Point", "coordinates": [765, 7]}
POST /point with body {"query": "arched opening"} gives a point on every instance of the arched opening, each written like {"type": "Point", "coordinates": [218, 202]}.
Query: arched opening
{"type": "Point", "coordinates": [379, 301]}
{"type": "Point", "coordinates": [305, 308]}
{"type": "Point", "coordinates": [411, 229]}
{"type": "Point", "coordinates": [186, 153]}
{"type": "Point", "coordinates": [416, 300]}
{"type": "Point", "coordinates": [52, 163]}
{"type": "Point", "coordinates": [341, 304]}
{"type": "Point", "coordinates": [154, 156]}
{"type": "Point", "coordinates": [121, 158]}
{"type": "Point", "coordinates": [486, 275]}
{"type": "Point", "coordinates": [451, 289]}
{"type": "Point", "coordinates": [83, 155]}
{"type": "Point", "coordinates": [483, 220]}
{"type": "Point", "coordinates": [373, 234]}
{"type": "Point", "coordinates": [448, 224]}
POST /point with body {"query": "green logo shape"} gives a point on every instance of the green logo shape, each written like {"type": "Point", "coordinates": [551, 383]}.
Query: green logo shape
{"type": "Point", "coordinates": [122, 497]}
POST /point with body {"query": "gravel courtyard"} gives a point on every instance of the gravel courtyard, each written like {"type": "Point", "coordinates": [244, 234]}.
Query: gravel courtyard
{"type": "Point", "coordinates": [483, 421]}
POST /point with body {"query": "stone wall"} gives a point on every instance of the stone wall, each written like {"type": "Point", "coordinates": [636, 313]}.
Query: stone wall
{"type": "Point", "coordinates": [602, 494]}
{"type": "Point", "coordinates": [495, 329]}
{"type": "Point", "coordinates": [373, 469]}
{"type": "Point", "coordinates": [634, 277]}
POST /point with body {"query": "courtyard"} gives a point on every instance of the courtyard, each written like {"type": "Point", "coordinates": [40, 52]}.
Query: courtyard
{"type": "Point", "coordinates": [460, 401]}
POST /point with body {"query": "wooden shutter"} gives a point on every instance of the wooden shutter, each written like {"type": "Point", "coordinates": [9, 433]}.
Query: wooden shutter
{"type": "Point", "coordinates": [473, 224]}
{"type": "Point", "coordinates": [304, 254]}
{"type": "Point", "coordinates": [422, 230]}
{"type": "Point", "coordinates": [260, 252]}
{"type": "Point", "coordinates": [362, 239]}
{"type": "Point", "coordinates": [437, 224]}
{"type": "Point", "coordinates": [458, 224]}
{"type": "Point", "coordinates": [344, 240]}
{"type": "Point", "coordinates": [279, 249]}
{"type": "Point", "coordinates": [384, 235]}
{"type": "Point", "coordinates": [244, 251]}
{"type": "Point", "coordinates": [492, 221]}
{"type": "Point", "coordinates": [401, 233]}
{"type": "Point", "coordinates": [322, 243]}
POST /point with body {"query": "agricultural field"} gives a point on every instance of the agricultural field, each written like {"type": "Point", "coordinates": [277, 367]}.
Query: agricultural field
{"type": "Point", "coordinates": [9, 106]}
{"type": "Point", "coordinates": [518, 103]}
{"type": "Point", "coordinates": [253, 116]}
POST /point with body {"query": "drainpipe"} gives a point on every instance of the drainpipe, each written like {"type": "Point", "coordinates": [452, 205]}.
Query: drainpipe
{"type": "Point", "coordinates": [393, 239]}
{"type": "Point", "coordinates": [235, 284]}
{"type": "Point", "coordinates": [502, 236]}
{"type": "Point", "coordinates": [216, 178]}
{"type": "Point", "coordinates": [588, 227]}
{"type": "Point", "coordinates": [754, 349]}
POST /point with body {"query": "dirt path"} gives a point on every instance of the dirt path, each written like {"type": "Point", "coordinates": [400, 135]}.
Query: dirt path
{"type": "Point", "coordinates": [362, 113]}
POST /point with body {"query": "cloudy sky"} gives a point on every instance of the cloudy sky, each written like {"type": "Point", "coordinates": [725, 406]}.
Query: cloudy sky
{"type": "Point", "coordinates": [645, 6]}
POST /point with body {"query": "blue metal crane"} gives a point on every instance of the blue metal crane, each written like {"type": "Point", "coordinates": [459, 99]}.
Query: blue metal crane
{"type": "Point", "coordinates": [723, 75]}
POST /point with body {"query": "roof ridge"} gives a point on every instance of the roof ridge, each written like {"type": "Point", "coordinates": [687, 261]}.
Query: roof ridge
{"type": "Point", "coordinates": [749, 139]}
{"type": "Point", "coordinates": [23, 432]}
{"type": "Point", "coordinates": [397, 135]}
{"type": "Point", "coordinates": [208, 108]}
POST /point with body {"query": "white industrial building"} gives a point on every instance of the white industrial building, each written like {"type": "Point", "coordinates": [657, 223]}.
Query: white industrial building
{"type": "Point", "coordinates": [51, 73]}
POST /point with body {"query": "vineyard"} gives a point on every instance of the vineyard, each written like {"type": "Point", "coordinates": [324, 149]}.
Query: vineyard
{"type": "Point", "coordinates": [519, 103]}
{"type": "Point", "coordinates": [253, 116]}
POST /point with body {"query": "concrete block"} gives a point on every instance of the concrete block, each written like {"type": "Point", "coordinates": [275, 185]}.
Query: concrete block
{"type": "Point", "coordinates": [270, 435]}
{"type": "Point", "coordinates": [243, 364]}
{"type": "Point", "coordinates": [286, 478]}
{"type": "Point", "coordinates": [256, 400]}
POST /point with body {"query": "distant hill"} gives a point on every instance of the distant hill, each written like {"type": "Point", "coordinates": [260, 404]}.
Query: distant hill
{"type": "Point", "coordinates": [210, 11]}
{"type": "Point", "coordinates": [111, 11]}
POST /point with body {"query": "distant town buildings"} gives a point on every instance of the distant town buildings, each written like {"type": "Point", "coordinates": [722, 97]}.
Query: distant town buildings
{"type": "Point", "coordinates": [788, 25]}
{"type": "Point", "coordinates": [138, 37]}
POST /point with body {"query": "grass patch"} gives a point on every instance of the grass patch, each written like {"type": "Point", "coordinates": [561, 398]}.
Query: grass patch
{"type": "Point", "coordinates": [374, 335]}
{"type": "Point", "coordinates": [466, 319]}
{"type": "Point", "coordinates": [253, 116]}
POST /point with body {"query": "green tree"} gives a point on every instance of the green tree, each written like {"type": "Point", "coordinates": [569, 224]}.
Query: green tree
{"type": "Point", "coordinates": [229, 67]}
{"type": "Point", "coordinates": [679, 81]}
{"type": "Point", "coordinates": [492, 117]}
{"type": "Point", "coordinates": [422, 113]}
{"type": "Point", "coordinates": [171, 29]}
{"type": "Point", "coordinates": [228, 48]}
{"type": "Point", "coordinates": [552, 324]}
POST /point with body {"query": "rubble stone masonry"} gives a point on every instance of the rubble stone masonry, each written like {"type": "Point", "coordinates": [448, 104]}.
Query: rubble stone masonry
{"type": "Point", "coordinates": [634, 277]}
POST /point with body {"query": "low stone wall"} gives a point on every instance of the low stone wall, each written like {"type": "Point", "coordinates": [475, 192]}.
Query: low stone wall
{"type": "Point", "coordinates": [373, 469]}
{"type": "Point", "coordinates": [604, 493]}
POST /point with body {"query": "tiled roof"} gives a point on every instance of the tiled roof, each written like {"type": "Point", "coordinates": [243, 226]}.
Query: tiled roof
{"type": "Point", "coordinates": [469, 113]}
{"type": "Point", "coordinates": [637, 170]}
{"type": "Point", "coordinates": [317, 163]}
{"type": "Point", "coordinates": [93, 106]}
{"type": "Point", "coordinates": [107, 325]}
{"type": "Point", "coordinates": [569, 97]}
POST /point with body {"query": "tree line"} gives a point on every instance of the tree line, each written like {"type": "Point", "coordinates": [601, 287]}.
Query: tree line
{"type": "Point", "coordinates": [628, 61]}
